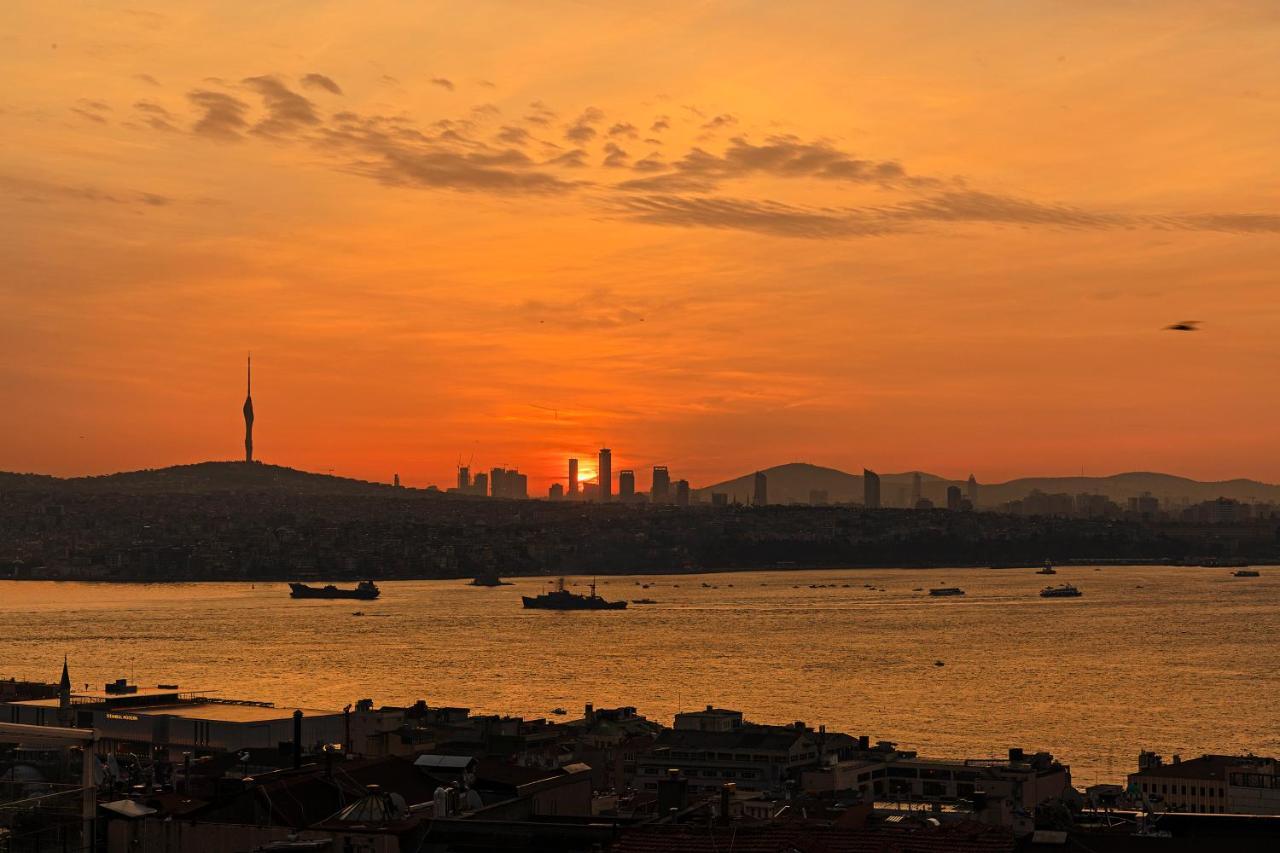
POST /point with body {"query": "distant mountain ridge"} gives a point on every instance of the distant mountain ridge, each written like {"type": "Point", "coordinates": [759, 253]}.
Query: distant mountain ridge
{"type": "Point", "coordinates": [789, 483]}
{"type": "Point", "coordinates": [793, 482]}
{"type": "Point", "coordinates": [200, 477]}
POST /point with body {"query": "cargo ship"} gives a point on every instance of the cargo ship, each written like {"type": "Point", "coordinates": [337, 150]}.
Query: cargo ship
{"type": "Point", "coordinates": [562, 599]}
{"type": "Point", "coordinates": [365, 591]}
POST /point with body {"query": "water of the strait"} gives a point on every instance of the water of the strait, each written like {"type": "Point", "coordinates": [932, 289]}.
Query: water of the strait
{"type": "Point", "coordinates": [1174, 659]}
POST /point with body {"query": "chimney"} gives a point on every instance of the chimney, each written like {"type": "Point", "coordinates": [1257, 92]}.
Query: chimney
{"type": "Point", "coordinates": [726, 799]}
{"type": "Point", "coordinates": [864, 742]}
{"type": "Point", "coordinates": [673, 793]}
{"type": "Point", "coordinates": [297, 739]}
{"type": "Point", "coordinates": [589, 714]}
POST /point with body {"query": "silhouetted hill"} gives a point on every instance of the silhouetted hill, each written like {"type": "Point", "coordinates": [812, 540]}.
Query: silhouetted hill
{"type": "Point", "coordinates": [200, 478]}
{"type": "Point", "coordinates": [791, 483]}
{"type": "Point", "coordinates": [1120, 487]}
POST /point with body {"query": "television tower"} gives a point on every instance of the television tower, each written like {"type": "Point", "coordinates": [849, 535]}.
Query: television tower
{"type": "Point", "coordinates": [248, 411]}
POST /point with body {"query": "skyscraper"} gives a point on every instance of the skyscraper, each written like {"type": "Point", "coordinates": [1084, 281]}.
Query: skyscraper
{"type": "Point", "coordinates": [573, 478]}
{"type": "Point", "coordinates": [556, 492]}
{"type": "Point", "coordinates": [464, 478]}
{"type": "Point", "coordinates": [953, 498]}
{"type": "Point", "coordinates": [660, 491]}
{"type": "Point", "coordinates": [972, 486]}
{"type": "Point", "coordinates": [761, 496]}
{"type": "Point", "coordinates": [480, 485]}
{"type": "Point", "coordinates": [626, 485]}
{"type": "Point", "coordinates": [606, 474]}
{"type": "Point", "coordinates": [870, 489]}
{"type": "Point", "coordinates": [682, 492]}
{"type": "Point", "coordinates": [248, 411]}
{"type": "Point", "coordinates": [916, 491]}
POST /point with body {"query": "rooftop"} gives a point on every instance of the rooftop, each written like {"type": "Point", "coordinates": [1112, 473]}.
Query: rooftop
{"type": "Point", "coordinates": [226, 712]}
{"type": "Point", "coordinates": [962, 837]}
{"type": "Point", "coordinates": [780, 739]}
{"type": "Point", "coordinates": [1209, 767]}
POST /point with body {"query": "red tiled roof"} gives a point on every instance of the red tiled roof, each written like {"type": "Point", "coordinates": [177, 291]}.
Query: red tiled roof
{"type": "Point", "coordinates": [965, 837]}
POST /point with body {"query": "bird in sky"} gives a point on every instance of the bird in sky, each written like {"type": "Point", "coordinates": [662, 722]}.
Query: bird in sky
{"type": "Point", "coordinates": [1184, 326]}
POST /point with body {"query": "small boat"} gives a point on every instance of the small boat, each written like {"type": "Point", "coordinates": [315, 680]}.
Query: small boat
{"type": "Point", "coordinates": [938, 663]}
{"type": "Point", "coordinates": [1066, 590]}
{"type": "Point", "coordinates": [1048, 569]}
{"type": "Point", "coordinates": [489, 579]}
{"type": "Point", "coordinates": [559, 712]}
{"type": "Point", "coordinates": [946, 590]}
{"type": "Point", "coordinates": [358, 613]}
{"type": "Point", "coordinates": [365, 591]}
{"type": "Point", "coordinates": [1245, 573]}
{"type": "Point", "coordinates": [643, 601]}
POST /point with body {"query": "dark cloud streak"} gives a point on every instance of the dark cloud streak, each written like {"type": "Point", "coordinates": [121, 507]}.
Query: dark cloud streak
{"type": "Point", "coordinates": [320, 81]}
{"type": "Point", "coordinates": [223, 115]}
{"type": "Point", "coordinates": [287, 111]}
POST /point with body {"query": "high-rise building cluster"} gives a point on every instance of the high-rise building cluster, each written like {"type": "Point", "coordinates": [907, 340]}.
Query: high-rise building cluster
{"type": "Point", "coordinates": [601, 488]}
{"type": "Point", "coordinates": [498, 483]}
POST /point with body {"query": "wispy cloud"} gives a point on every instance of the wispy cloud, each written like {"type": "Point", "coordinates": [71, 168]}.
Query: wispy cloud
{"type": "Point", "coordinates": [746, 215]}
{"type": "Point", "coordinates": [37, 191]}
{"type": "Point", "coordinates": [320, 81]}
{"type": "Point", "coordinates": [155, 116]}
{"type": "Point", "coordinates": [443, 83]}
{"type": "Point", "coordinates": [600, 308]}
{"type": "Point", "coordinates": [583, 129]}
{"type": "Point", "coordinates": [222, 115]}
{"type": "Point", "coordinates": [955, 207]}
{"type": "Point", "coordinates": [287, 111]}
{"type": "Point", "coordinates": [397, 154]}
{"type": "Point", "coordinates": [780, 156]}
{"type": "Point", "coordinates": [705, 187]}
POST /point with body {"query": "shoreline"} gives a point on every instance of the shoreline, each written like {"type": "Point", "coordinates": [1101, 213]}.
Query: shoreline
{"type": "Point", "coordinates": [673, 571]}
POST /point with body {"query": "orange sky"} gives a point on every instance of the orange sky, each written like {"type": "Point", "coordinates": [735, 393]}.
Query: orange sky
{"type": "Point", "coordinates": [718, 236]}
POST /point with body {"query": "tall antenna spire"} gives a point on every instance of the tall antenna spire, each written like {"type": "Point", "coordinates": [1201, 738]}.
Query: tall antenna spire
{"type": "Point", "coordinates": [248, 410]}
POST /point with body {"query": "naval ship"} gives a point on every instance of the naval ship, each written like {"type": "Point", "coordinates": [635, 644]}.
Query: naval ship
{"type": "Point", "coordinates": [561, 599]}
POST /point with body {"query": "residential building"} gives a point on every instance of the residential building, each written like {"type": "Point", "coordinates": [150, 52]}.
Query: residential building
{"type": "Point", "coordinates": [1213, 784]}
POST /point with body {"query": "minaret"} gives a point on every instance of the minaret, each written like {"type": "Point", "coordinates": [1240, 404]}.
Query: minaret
{"type": "Point", "coordinates": [248, 411]}
{"type": "Point", "coordinates": [64, 697]}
